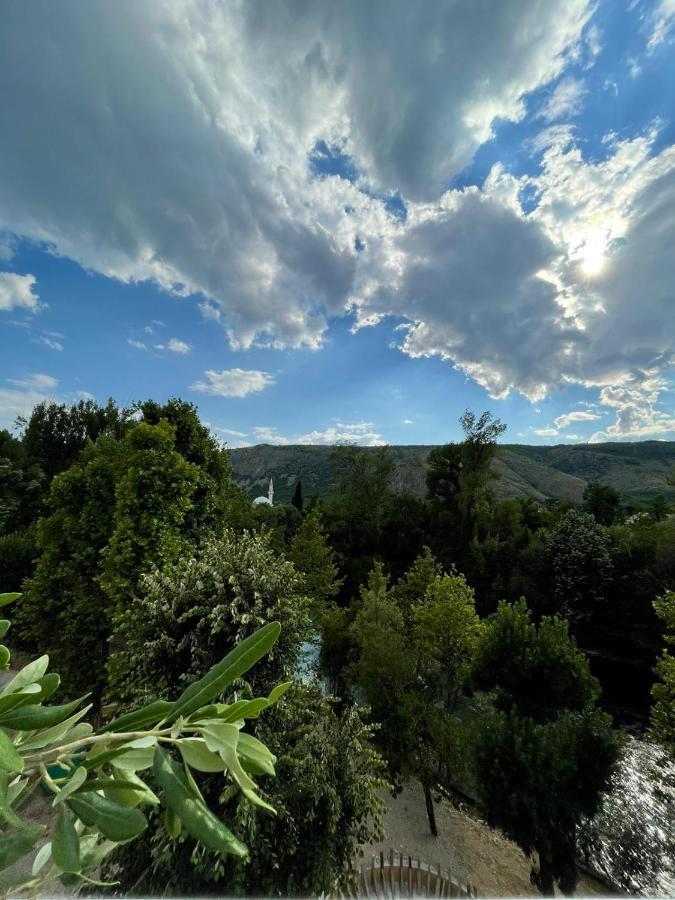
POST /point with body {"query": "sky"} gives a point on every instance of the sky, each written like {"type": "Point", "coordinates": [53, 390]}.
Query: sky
{"type": "Point", "coordinates": [325, 221]}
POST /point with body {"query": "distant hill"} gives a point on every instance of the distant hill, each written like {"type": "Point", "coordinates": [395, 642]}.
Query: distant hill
{"type": "Point", "coordinates": [637, 470]}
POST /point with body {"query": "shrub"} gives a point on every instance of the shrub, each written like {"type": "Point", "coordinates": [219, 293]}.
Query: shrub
{"type": "Point", "coordinates": [93, 776]}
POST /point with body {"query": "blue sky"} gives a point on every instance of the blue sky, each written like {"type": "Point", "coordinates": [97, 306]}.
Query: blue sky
{"type": "Point", "coordinates": [340, 223]}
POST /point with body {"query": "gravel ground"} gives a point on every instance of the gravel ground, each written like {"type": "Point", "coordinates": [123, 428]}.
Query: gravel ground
{"type": "Point", "coordinates": [465, 846]}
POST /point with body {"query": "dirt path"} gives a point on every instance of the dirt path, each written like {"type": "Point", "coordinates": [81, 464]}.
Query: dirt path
{"type": "Point", "coordinates": [466, 846]}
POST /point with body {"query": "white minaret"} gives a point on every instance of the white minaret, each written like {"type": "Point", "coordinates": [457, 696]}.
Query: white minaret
{"type": "Point", "coordinates": [270, 493]}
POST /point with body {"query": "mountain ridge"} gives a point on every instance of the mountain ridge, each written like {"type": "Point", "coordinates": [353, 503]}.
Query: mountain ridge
{"type": "Point", "coordinates": [638, 470]}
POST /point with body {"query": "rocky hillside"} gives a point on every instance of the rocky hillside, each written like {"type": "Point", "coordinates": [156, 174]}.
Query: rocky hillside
{"type": "Point", "coordinates": [637, 470]}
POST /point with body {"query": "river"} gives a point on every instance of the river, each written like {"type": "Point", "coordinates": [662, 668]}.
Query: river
{"type": "Point", "coordinates": [631, 841]}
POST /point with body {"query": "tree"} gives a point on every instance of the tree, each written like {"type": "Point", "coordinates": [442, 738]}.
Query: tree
{"type": "Point", "coordinates": [297, 500]}
{"type": "Point", "coordinates": [578, 552]}
{"type": "Point", "coordinates": [190, 608]}
{"type": "Point", "coordinates": [97, 793]}
{"type": "Point", "coordinates": [383, 669]}
{"type": "Point", "coordinates": [412, 586]}
{"type": "Point", "coordinates": [21, 485]}
{"type": "Point", "coordinates": [327, 772]}
{"type": "Point", "coordinates": [337, 647]}
{"type": "Point", "coordinates": [55, 434]}
{"type": "Point", "coordinates": [18, 552]}
{"type": "Point", "coordinates": [325, 793]}
{"type": "Point", "coordinates": [658, 508]}
{"type": "Point", "coordinates": [602, 501]}
{"type": "Point", "coordinates": [446, 630]}
{"type": "Point", "coordinates": [545, 755]}
{"type": "Point", "coordinates": [410, 676]}
{"type": "Point", "coordinates": [64, 609]}
{"type": "Point", "coordinates": [216, 499]}
{"type": "Point", "coordinates": [153, 497]}
{"type": "Point", "coordinates": [444, 470]}
{"type": "Point", "coordinates": [459, 478]}
{"type": "Point", "coordinates": [315, 560]}
{"type": "Point", "coordinates": [663, 691]}
{"type": "Point", "coordinates": [111, 516]}
{"type": "Point", "coordinates": [356, 509]}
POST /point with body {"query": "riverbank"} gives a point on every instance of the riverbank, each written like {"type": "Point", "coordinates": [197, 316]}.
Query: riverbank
{"type": "Point", "coordinates": [465, 846]}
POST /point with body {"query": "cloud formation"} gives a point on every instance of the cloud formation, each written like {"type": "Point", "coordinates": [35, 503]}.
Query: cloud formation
{"type": "Point", "coordinates": [176, 346]}
{"type": "Point", "coordinates": [47, 341]}
{"type": "Point", "coordinates": [565, 101]}
{"type": "Point", "coordinates": [233, 382]}
{"type": "Point", "coordinates": [574, 286]}
{"type": "Point", "coordinates": [17, 292]}
{"type": "Point", "coordinates": [362, 433]}
{"type": "Point", "coordinates": [577, 415]}
{"type": "Point", "coordinates": [224, 204]}
{"type": "Point", "coordinates": [24, 394]}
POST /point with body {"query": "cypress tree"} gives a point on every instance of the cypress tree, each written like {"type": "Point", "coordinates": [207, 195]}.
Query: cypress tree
{"type": "Point", "coordinates": [297, 500]}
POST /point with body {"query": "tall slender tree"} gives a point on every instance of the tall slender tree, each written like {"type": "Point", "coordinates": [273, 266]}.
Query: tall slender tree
{"type": "Point", "coordinates": [297, 500]}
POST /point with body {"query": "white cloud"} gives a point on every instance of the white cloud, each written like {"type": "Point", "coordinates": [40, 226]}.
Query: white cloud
{"type": "Point", "coordinates": [547, 432]}
{"type": "Point", "coordinates": [26, 393]}
{"type": "Point", "coordinates": [230, 432]}
{"type": "Point", "coordinates": [225, 204]}
{"type": "Point", "coordinates": [266, 434]}
{"type": "Point", "coordinates": [16, 292]}
{"type": "Point", "coordinates": [233, 382]}
{"type": "Point", "coordinates": [48, 342]}
{"type": "Point", "coordinates": [578, 415]}
{"type": "Point", "coordinates": [362, 433]}
{"type": "Point", "coordinates": [565, 101]}
{"type": "Point", "coordinates": [85, 395]}
{"type": "Point", "coordinates": [465, 274]}
{"type": "Point", "coordinates": [579, 290]}
{"type": "Point", "coordinates": [36, 382]}
{"type": "Point", "coordinates": [408, 422]}
{"type": "Point", "coordinates": [7, 244]}
{"type": "Point", "coordinates": [176, 346]}
{"type": "Point", "coordinates": [640, 413]}
{"type": "Point", "coordinates": [661, 22]}
{"type": "Point", "coordinates": [138, 345]}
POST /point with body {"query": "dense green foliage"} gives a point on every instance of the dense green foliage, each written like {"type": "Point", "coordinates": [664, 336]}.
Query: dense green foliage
{"type": "Point", "coordinates": [663, 692]}
{"type": "Point", "coordinates": [325, 790]}
{"type": "Point", "coordinates": [127, 504]}
{"type": "Point", "coordinates": [140, 555]}
{"type": "Point", "coordinates": [64, 610]}
{"type": "Point", "coordinates": [326, 802]}
{"type": "Point", "coordinates": [602, 501]}
{"type": "Point", "coordinates": [314, 559]}
{"type": "Point", "coordinates": [411, 653]}
{"type": "Point", "coordinates": [18, 553]}
{"type": "Point", "coordinates": [190, 609]}
{"type": "Point", "coordinates": [579, 559]}
{"type": "Point", "coordinates": [546, 754]}
{"type": "Point", "coordinates": [93, 775]}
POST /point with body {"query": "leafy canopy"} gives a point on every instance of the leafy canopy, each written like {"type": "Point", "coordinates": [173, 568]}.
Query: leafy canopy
{"type": "Point", "coordinates": [545, 755]}
{"type": "Point", "coordinates": [97, 794]}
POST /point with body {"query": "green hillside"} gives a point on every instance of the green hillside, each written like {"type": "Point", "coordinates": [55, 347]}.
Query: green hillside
{"type": "Point", "coordinates": [637, 470]}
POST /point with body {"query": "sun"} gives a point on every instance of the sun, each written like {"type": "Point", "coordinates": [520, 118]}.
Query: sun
{"type": "Point", "coordinates": [591, 253]}
{"type": "Point", "coordinates": [593, 260]}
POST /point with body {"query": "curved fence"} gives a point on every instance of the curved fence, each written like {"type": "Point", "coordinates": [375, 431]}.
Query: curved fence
{"type": "Point", "coordinates": [402, 875]}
